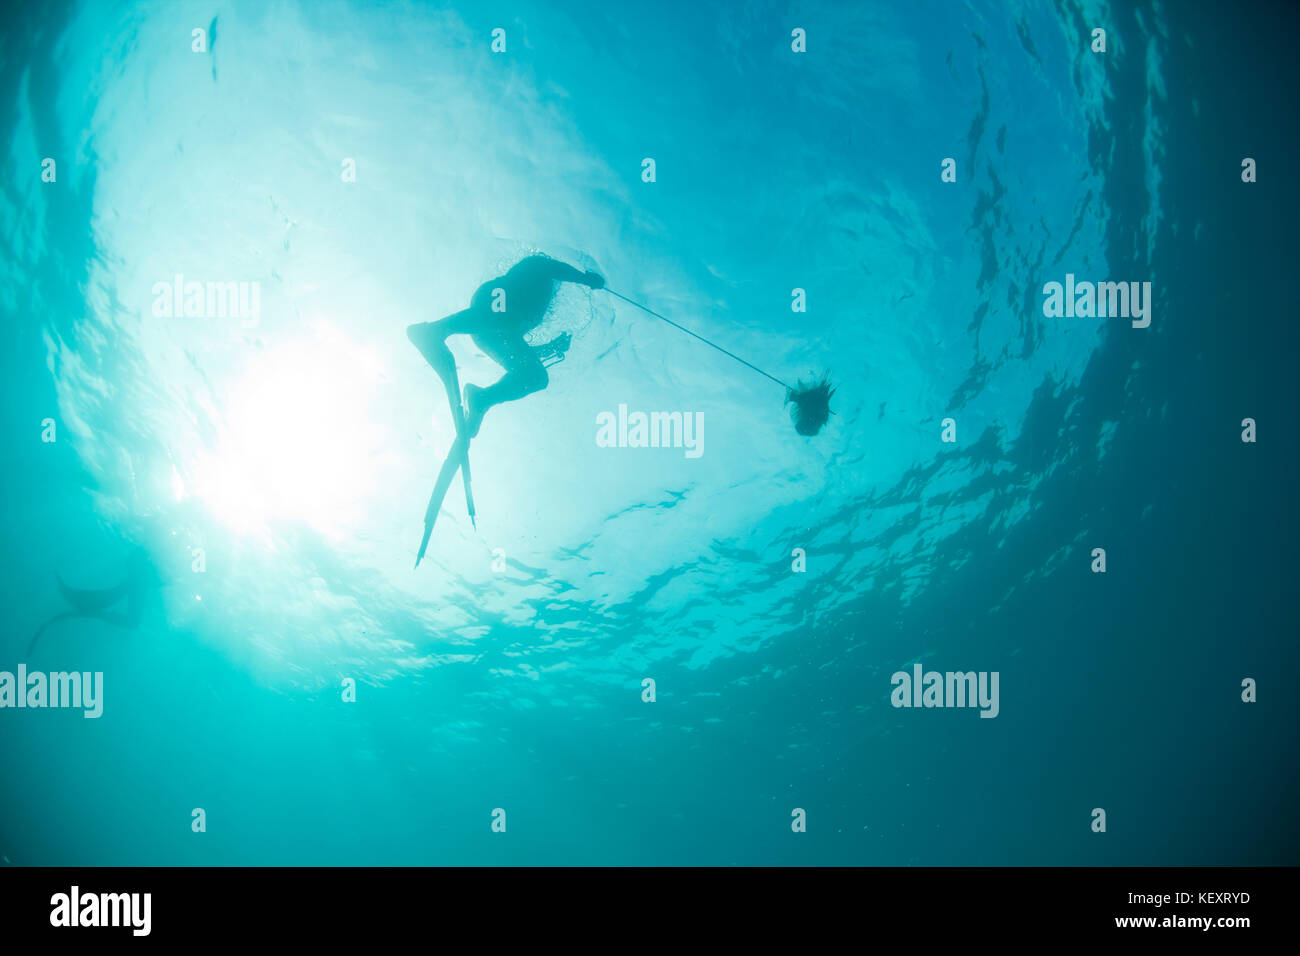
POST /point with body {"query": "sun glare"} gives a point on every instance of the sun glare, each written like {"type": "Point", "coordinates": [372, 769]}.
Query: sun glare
{"type": "Point", "coordinates": [297, 443]}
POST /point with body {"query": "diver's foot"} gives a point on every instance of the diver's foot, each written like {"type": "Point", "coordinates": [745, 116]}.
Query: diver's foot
{"type": "Point", "coordinates": [434, 350]}
{"type": "Point", "coordinates": [474, 410]}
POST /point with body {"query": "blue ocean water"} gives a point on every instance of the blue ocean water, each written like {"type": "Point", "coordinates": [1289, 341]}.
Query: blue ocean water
{"type": "Point", "coordinates": [369, 165]}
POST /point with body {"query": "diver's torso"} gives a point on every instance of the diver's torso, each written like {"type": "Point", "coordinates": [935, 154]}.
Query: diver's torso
{"type": "Point", "coordinates": [528, 288]}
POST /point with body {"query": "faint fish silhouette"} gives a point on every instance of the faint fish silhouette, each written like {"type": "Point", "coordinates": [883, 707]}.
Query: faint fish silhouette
{"type": "Point", "coordinates": [100, 603]}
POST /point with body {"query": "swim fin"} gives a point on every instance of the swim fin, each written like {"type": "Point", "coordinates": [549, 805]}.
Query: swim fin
{"type": "Point", "coordinates": [457, 460]}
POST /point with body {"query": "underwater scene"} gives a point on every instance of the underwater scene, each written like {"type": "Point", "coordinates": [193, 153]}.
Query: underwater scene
{"type": "Point", "coordinates": [648, 433]}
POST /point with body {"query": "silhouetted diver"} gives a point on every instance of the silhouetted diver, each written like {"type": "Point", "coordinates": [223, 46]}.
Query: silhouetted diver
{"type": "Point", "coordinates": [98, 602]}
{"type": "Point", "coordinates": [498, 321]}
{"type": "Point", "coordinates": [501, 312]}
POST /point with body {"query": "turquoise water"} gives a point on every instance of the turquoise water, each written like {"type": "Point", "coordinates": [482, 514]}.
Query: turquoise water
{"type": "Point", "coordinates": [290, 455]}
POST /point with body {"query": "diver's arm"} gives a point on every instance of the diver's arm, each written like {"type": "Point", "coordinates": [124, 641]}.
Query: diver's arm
{"type": "Point", "coordinates": [563, 272]}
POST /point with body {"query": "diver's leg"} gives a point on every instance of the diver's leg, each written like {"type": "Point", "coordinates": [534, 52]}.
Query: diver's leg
{"type": "Point", "coordinates": [431, 339]}
{"type": "Point", "coordinates": [525, 374]}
